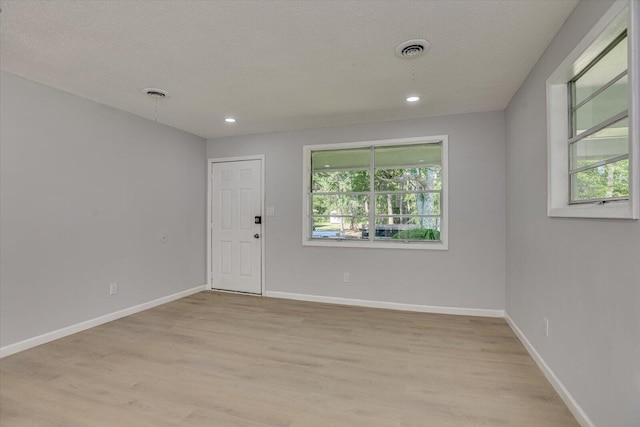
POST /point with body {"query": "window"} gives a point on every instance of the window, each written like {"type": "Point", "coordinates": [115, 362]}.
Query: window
{"type": "Point", "coordinates": [599, 139]}
{"type": "Point", "coordinates": [389, 194]}
{"type": "Point", "coordinates": [593, 150]}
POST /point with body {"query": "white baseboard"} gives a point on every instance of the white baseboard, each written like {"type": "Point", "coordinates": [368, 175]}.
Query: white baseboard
{"type": "Point", "coordinates": [69, 330]}
{"type": "Point", "coordinates": [568, 399]}
{"type": "Point", "coordinates": [389, 305]}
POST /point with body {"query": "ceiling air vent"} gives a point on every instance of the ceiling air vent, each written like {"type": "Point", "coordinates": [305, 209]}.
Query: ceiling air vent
{"type": "Point", "coordinates": [155, 92]}
{"type": "Point", "coordinates": [412, 48]}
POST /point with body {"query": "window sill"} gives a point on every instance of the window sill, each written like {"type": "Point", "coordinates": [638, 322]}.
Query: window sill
{"type": "Point", "coordinates": [334, 243]}
{"type": "Point", "coordinates": [614, 210]}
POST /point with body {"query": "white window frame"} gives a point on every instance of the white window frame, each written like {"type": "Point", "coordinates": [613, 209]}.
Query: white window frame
{"type": "Point", "coordinates": [443, 244]}
{"type": "Point", "coordinates": [622, 14]}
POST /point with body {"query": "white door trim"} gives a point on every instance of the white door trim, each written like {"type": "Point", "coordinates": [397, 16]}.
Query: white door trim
{"type": "Point", "coordinates": [210, 162]}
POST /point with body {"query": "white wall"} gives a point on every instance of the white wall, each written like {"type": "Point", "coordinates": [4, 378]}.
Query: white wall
{"type": "Point", "coordinates": [471, 274]}
{"type": "Point", "coordinates": [583, 275]}
{"type": "Point", "coordinates": [86, 190]}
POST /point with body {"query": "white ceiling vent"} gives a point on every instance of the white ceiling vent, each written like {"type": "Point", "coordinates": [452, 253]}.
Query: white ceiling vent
{"type": "Point", "coordinates": [412, 48]}
{"type": "Point", "coordinates": [155, 92]}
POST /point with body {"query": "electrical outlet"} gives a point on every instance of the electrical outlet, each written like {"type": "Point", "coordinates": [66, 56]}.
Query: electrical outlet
{"type": "Point", "coordinates": [113, 288]}
{"type": "Point", "coordinates": [546, 327]}
{"type": "Point", "coordinates": [345, 278]}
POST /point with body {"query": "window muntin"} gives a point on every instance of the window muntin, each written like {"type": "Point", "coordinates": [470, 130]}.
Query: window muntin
{"type": "Point", "coordinates": [400, 192]}
{"type": "Point", "coordinates": [610, 142]}
{"type": "Point", "coordinates": [610, 101]}
{"type": "Point", "coordinates": [599, 134]}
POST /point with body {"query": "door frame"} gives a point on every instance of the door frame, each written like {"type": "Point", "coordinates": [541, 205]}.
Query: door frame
{"type": "Point", "coordinates": [210, 162]}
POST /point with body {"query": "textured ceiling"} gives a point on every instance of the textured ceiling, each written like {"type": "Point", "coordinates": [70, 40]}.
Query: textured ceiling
{"type": "Point", "coordinates": [279, 65]}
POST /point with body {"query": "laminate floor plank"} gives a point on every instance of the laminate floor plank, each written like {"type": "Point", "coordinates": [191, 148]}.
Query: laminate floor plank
{"type": "Point", "coordinates": [219, 359]}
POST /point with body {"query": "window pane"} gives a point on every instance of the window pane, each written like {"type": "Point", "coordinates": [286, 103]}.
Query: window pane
{"type": "Point", "coordinates": [407, 228]}
{"type": "Point", "coordinates": [340, 181]}
{"type": "Point", "coordinates": [340, 205]}
{"type": "Point", "coordinates": [408, 204]}
{"type": "Point", "coordinates": [350, 158]}
{"type": "Point", "coordinates": [343, 194]}
{"type": "Point", "coordinates": [338, 227]}
{"type": "Point", "coordinates": [408, 156]}
{"type": "Point", "coordinates": [602, 72]}
{"type": "Point", "coordinates": [410, 179]}
{"type": "Point", "coordinates": [610, 142]}
{"type": "Point", "coordinates": [602, 182]}
{"type": "Point", "coordinates": [607, 104]}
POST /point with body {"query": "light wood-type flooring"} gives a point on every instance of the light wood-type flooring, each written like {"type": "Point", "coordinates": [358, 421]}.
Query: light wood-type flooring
{"type": "Point", "coordinates": [216, 359]}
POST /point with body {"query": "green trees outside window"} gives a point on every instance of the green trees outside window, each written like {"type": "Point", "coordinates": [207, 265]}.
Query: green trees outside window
{"type": "Point", "coordinates": [385, 192]}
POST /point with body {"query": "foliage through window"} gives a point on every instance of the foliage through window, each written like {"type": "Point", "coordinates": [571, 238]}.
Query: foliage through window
{"type": "Point", "coordinates": [599, 138]}
{"type": "Point", "coordinates": [377, 193]}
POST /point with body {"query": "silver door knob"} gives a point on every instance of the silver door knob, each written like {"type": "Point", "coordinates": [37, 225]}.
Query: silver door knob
{"type": "Point", "coordinates": [257, 236]}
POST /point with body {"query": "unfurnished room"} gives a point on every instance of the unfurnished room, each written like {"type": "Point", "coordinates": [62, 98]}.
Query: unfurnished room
{"type": "Point", "coordinates": [319, 213]}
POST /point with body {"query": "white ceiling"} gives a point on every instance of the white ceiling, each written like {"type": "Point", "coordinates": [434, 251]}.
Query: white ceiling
{"type": "Point", "coordinates": [279, 65]}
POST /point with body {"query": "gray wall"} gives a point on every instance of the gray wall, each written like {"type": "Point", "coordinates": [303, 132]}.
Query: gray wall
{"type": "Point", "coordinates": [583, 275]}
{"type": "Point", "coordinates": [86, 190]}
{"type": "Point", "coordinates": [471, 274]}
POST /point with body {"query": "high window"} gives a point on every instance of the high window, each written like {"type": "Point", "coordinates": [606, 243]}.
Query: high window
{"type": "Point", "coordinates": [389, 194]}
{"type": "Point", "coordinates": [593, 122]}
{"type": "Point", "coordinates": [599, 139]}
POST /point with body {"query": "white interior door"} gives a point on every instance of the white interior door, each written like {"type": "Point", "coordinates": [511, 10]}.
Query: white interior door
{"type": "Point", "coordinates": [236, 255]}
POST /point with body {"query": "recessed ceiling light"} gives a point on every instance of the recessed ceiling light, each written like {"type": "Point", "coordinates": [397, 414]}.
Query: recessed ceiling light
{"type": "Point", "coordinates": [230, 120]}
{"type": "Point", "coordinates": [413, 98]}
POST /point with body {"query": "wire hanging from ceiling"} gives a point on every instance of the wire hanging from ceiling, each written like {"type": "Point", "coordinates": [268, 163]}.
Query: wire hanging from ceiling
{"type": "Point", "coordinates": [156, 94]}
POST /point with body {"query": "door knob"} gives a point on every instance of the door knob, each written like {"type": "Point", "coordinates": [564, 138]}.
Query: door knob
{"type": "Point", "coordinates": [257, 236]}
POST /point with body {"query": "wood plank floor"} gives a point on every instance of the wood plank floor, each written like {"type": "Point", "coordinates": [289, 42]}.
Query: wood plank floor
{"type": "Point", "coordinates": [215, 359]}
